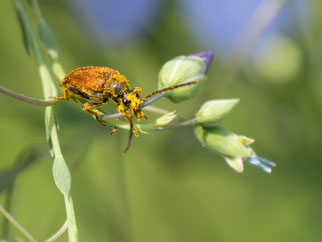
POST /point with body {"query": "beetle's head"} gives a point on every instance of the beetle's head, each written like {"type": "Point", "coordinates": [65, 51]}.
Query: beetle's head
{"type": "Point", "coordinates": [132, 100]}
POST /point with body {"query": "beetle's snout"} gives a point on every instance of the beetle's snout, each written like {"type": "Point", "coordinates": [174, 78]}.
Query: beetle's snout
{"type": "Point", "coordinates": [132, 100]}
{"type": "Point", "coordinates": [126, 101]}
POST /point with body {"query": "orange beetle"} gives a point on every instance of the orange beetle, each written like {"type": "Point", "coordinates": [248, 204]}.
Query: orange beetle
{"type": "Point", "coordinates": [99, 85]}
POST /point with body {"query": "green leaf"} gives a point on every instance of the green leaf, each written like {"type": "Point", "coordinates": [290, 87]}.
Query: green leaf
{"type": "Point", "coordinates": [24, 29]}
{"type": "Point", "coordinates": [48, 38]}
{"type": "Point", "coordinates": [62, 175]}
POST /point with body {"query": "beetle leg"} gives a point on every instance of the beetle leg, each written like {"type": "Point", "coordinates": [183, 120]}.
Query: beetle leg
{"type": "Point", "coordinates": [140, 115]}
{"type": "Point", "coordinates": [114, 130]}
{"type": "Point", "coordinates": [89, 108]}
{"type": "Point", "coordinates": [65, 97]}
{"type": "Point", "coordinates": [128, 117]}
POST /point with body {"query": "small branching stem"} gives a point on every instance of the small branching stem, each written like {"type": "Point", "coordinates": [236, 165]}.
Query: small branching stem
{"type": "Point", "coordinates": [14, 222]}
{"type": "Point", "coordinates": [59, 233]}
{"type": "Point", "coordinates": [26, 99]}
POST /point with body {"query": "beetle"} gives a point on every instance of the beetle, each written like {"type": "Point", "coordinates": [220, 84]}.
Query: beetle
{"type": "Point", "coordinates": [99, 85]}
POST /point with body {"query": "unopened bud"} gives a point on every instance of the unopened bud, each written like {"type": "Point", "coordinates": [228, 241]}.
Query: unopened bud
{"type": "Point", "coordinates": [232, 147]}
{"type": "Point", "coordinates": [184, 69]}
{"type": "Point", "coordinates": [223, 141]}
{"type": "Point", "coordinates": [213, 112]}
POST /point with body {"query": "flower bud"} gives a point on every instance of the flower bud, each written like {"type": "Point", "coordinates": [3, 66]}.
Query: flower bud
{"type": "Point", "coordinates": [224, 142]}
{"type": "Point", "coordinates": [213, 112]}
{"type": "Point", "coordinates": [184, 69]}
{"type": "Point", "coordinates": [232, 147]}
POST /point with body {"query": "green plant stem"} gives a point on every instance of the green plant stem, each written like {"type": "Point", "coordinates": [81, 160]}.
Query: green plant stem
{"type": "Point", "coordinates": [152, 126]}
{"type": "Point", "coordinates": [26, 99]}
{"type": "Point", "coordinates": [14, 222]}
{"type": "Point", "coordinates": [49, 90]}
{"type": "Point", "coordinates": [59, 233]}
{"type": "Point", "coordinates": [8, 203]}
{"type": "Point", "coordinates": [37, 8]}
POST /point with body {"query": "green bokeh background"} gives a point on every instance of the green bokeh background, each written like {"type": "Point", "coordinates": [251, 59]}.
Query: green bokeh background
{"type": "Point", "coordinates": [167, 187]}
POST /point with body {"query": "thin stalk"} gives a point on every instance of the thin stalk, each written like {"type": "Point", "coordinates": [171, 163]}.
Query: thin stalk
{"type": "Point", "coordinates": [21, 97]}
{"type": "Point", "coordinates": [14, 222]}
{"type": "Point", "coordinates": [8, 203]}
{"type": "Point", "coordinates": [59, 233]}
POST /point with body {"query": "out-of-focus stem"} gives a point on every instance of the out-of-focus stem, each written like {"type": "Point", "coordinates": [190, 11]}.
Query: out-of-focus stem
{"type": "Point", "coordinates": [26, 99]}
{"type": "Point", "coordinates": [258, 22]}
{"type": "Point", "coordinates": [14, 222]}
{"type": "Point", "coordinates": [59, 233]}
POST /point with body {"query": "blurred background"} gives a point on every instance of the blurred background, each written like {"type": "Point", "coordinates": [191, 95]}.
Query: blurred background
{"type": "Point", "coordinates": [167, 187]}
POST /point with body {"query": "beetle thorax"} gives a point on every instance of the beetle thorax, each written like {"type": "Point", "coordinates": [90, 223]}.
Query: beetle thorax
{"type": "Point", "coordinates": [116, 85]}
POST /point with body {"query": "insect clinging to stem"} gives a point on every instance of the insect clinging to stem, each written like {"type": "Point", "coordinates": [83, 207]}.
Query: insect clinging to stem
{"type": "Point", "coordinates": [100, 85]}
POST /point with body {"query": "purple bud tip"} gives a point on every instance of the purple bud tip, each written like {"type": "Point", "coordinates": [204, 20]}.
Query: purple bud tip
{"type": "Point", "coordinates": [207, 56]}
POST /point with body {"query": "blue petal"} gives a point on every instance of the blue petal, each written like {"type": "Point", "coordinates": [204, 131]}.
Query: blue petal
{"type": "Point", "coordinates": [262, 163]}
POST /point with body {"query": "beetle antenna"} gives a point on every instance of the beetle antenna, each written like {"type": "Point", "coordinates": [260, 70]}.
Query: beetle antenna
{"type": "Point", "coordinates": [130, 138]}
{"type": "Point", "coordinates": [169, 89]}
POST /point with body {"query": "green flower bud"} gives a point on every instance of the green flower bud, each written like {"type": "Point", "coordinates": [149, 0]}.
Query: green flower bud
{"type": "Point", "coordinates": [184, 69]}
{"type": "Point", "coordinates": [232, 147]}
{"type": "Point", "coordinates": [213, 112]}
{"type": "Point", "coordinates": [224, 142]}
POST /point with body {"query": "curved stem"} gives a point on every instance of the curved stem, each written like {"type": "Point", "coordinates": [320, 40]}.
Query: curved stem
{"type": "Point", "coordinates": [14, 222]}
{"type": "Point", "coordinates": [23, 98]}
{"type": "Point", "coordinates": [59, 233]}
